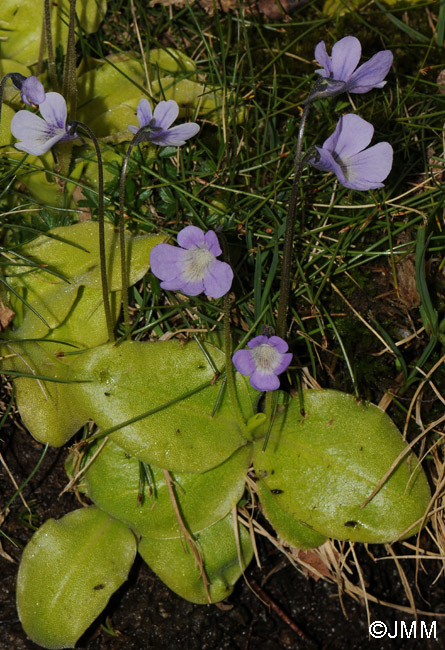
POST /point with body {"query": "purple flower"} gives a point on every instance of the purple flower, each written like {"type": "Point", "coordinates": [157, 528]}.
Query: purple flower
{"type": "Point", "coordinates": [345, 154]}
{"type": "Point", "coordinates": [266, 358]}
{"type": "Point", "coordinates": [38, 135]}
{"type": "Point", "coordinates": [341, 66]}
{"type": "Point", "coordinates": [32, 91]}
{"type": "Point", "coordinates": [193, 268]}
{"type": "Point", "coordinates": [158, 124]}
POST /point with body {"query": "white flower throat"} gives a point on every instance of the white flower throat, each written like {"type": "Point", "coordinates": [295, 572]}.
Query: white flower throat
{"type": "Point", "coordinates": [196, 264]}
{"type": "Point", "coordinates": [266, 357]}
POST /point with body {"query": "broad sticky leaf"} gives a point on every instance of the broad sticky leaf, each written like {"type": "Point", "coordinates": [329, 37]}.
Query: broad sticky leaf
{"type": "Point", "coordinates": [173, 561]}
{"type": "Point", "coordinates": [320, 467]}
{"type": "Point", "coordinates": [113, 479]}
{"type": "Point", "coordinates": [21, 25]}
{"type": "Point", "coordinates": [72, 253]}
{"type": "Point", "coordinates": [69, 570]}
{"type": "Point", "coordinates": [290, 530]}
{"type": "Point", "coordinates": [126, 381]}
{"type": "Point", "coordinates": [48, 407]}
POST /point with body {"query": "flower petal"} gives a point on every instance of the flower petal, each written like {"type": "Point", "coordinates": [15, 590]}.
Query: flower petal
{"type": "Point", "coordinates": [243, 362]}
{"type": "Point", "coordinates": [322, 57]}
{"type": "Point", "coordinates": [326, 163]}
{"type": "Point", "coordinates": [185, 287]}
{"type": "Point", "coordinates": [36, 136]}
{"type": "Point", "coordinates": [262, 381]}
{"type": "Point", "coordinates": [218, 280]}
{"type": "Point", "coordinates": [176, 135]}
{"type": "Point", "coordinates": [144, 112]}
{"type": "Point", "coordinates": [279, 344]}
{"type": "Point", "coordinates": [166, 261]}
{"type": "Point", "coordinates": [190, 237]}
{"type": "Point", "coordinates": [367, 169]}
{"type": "Point", "coordinates": [32, 91]}
{"type": "Point", "coordinates": [346, 54]}
{"type": "Point", "coordinates": [352, 134]}
{"type": "Point", "coordinates": [211, 239]}
{"type": "Point", "coordinates": [371, 74]}
{"type": "Point", "coordinates": [285, 361]}
{"type": "Point", "coordinates": [133, 129]}
{"type": "Point", "coordinates": [53, 110]}
{"type": "Point", "coordinates": [257, 340]}
{"type": "Point", "coordinates": [166, 113]}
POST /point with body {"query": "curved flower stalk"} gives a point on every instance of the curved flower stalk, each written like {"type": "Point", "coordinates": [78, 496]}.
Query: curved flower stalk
{"type": "Point", "coordinates": [346, 154]}
{"type": "Point", "coordinates": [355, 168]}
{"type": "Point", "coordinates": [36, 134]}
{"type": "Point", "coordinates": [341, 67]}
{"type": "Point", "coordinates": [157, 124]}
{"type": "Point", "coordinates": [192, 268]}
{"type": "Point", "coordinates": [266, 358]}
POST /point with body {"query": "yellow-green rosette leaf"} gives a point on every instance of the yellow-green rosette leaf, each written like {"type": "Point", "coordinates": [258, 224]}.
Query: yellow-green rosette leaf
{"type": "Point", "coordinates": [289, 530]}
{"type": "Point", "coordinates": [63, 260]}
{"type": "Point", "coordinates": [166, 393]}
{"type": "Point", "coordinates": [322, 466]}
{"type": "Point", "coordinates": [21, 25]}
{"type": "Point", "coordinates": [113, 481]}
{"type": "Point", "coordinates": [173, 561]}
{"type": "Point", "coordinates": [45, 401]}
{"type": "Point", "coordinates": [69, 570]}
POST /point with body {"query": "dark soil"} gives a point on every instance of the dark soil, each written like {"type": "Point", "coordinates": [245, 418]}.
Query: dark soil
{"type": "Point", "coordinates": [144, 614]}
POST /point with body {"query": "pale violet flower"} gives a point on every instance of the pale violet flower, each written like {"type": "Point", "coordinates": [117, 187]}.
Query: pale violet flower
{"type": "Point", "coordinates": [345, 154]}
{"type": "Point", "coordinates": [31, 89]}
{"type": "Point", "coordinates": [192, 268]}
{"type": "Point", "coordinates": [157, 124]}
{"type": "Point", "coordinates": [266, 358]}
{"type": "Point", "coordinates": [341, 66]}
{"type": "Point", "coordinates": [37, 135]}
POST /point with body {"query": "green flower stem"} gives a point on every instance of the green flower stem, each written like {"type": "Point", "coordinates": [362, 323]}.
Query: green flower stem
{"type": "Point", "coordinates": [69, 75]}
{"type": "Point", "coordinates": [69, 91]}
{"type": "Point", "coordinates": [230, 378]}
{"type": "Point", "coordinates": [138, 138]}
{"type": "Point", "coordinates": [289, 232]}
{"type": "Point", "coordinates": [101, 218]}
{"type": "Point", "coordinates": [124, 274]}
{"type": "Point", "coordinates": [269, 409]}
{"type": "Point", "coordinates": [49, 46]}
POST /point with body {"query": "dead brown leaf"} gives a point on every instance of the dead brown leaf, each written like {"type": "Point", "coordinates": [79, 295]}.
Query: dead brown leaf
{"type": "Point", "coordinates": [6, 316]}
{"type": "Point", "coordinates": [313, 565]}
{"type": "Point", "coordinates": [406, 280]}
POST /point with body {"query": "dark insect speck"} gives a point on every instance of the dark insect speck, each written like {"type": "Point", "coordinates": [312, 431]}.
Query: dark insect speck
{"type": "Point", "coordinates": [277, 491]}
{"type": "Point", "coordinates": [351, 524]}
{"type": "Point", "coordinates": [99, 587]}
